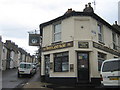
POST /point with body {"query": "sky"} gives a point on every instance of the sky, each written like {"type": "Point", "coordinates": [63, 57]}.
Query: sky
{"type": "Point", "coordinates": [18, 17]}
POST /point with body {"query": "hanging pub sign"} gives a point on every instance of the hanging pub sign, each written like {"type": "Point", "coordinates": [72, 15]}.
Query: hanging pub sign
{"type": "Point", "coordinates": [34, 39]}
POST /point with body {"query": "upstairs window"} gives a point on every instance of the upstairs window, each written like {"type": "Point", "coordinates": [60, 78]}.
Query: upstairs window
{"type": "Point", "coordinates": [100, 33]}
{"type": "Point", "coordinates": [57, 32]}
{"type": "Point", "coordinates": [114, 40]}
{"type": "Point", "coordinates": [119, 42]}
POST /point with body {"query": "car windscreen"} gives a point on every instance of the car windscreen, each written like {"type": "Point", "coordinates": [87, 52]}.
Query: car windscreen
{"type": "Point", "coordinates": [25, 66]}
{"type": "Point", "coordinates": [111, 66]}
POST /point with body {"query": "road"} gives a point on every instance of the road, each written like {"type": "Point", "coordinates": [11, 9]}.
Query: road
{"type": "Point", "coordinates": [10, 79]}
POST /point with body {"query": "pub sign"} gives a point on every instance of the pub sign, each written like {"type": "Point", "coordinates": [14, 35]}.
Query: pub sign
{"type": "Point", "coordinates": [34, 39]}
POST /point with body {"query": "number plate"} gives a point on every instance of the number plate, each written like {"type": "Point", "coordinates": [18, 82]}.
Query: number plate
{"type": "Point", "coordinates": [115, 78]}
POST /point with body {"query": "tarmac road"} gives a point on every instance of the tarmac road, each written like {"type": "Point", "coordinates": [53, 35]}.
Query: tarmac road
{"type": "Point", "coordinates": [10, 79]}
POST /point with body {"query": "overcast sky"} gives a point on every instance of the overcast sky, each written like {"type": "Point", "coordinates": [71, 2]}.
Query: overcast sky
{"type": "Point", "coordinates": [18, 17]}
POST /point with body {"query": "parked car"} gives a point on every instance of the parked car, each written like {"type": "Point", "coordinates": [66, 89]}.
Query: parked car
{"type": "Point", "coordinates": [26, 68]}
{"type": "Point", "coordinates": [110, 72]}
{"type": "Point", "coordinates": [35, 67]}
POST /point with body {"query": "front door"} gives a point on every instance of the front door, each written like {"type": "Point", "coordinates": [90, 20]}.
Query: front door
{"type": "Point", "coordinates": [47, 66]}
{"type": "Point", "coordinates": [83, 67]}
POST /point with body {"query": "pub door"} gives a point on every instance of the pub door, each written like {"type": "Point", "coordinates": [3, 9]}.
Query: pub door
{"type": "Point", "coordinates": [83, 67]}
{"type": "Point", "coordinates": [47, 67]}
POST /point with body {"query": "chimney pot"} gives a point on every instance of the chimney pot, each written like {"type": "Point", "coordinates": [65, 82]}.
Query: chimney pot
{"type": "Point", "coordinates": [89, 4]}
{"type": "Point", "coordinates": [115, 22]}
{"type": "Point", "coordinates": [69, 11]}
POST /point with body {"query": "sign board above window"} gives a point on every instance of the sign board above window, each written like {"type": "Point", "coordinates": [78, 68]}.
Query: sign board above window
{"type": "Point", "coordinates": [83, 45]}
{"type": "Point", "coordinates": [104, 48]}
{"type": "Point", "coordinates": [58, 46]}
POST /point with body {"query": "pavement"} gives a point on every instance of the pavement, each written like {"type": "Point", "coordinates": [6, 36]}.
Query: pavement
{"type": "Point", "coordinates": [46, 86]}
{"type": "Point", "coordinates": [37, 85]}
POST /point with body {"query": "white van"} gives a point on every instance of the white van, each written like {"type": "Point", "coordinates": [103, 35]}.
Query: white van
{"type": "Point", "coordinates": [26, 68]}
{"type": "Point", "coordinates": [110, 72]}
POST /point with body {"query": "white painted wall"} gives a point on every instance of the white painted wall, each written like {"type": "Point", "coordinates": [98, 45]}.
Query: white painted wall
{"type": "Point", "coordinates": [77, 29]}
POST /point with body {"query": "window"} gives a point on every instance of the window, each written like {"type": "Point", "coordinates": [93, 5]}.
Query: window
{"type": "Point", "coordinates": [47, 64]}
{"type": "Point", "coordinates": [25, 66]}
{"type": "Point", "coordinates": [118, 42]}
{"type": "Point", "coordinates": [114, 40]}
{"type": "Point", "coordinates": [61, 63]}
{"type": "Point", "coordinates": [101, 58]}
{"type": "Point", "coordinates": [57, 32]}
{"type": "Point", "coordinates": [115, 66]}
{"type": "Point", "coordinates": [100, 33]}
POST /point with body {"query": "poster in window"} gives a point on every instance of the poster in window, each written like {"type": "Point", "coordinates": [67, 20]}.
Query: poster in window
{"type": "Point", "coordinates": [57, 66]}
{"type": "Point", "coordinates": [65, 66]}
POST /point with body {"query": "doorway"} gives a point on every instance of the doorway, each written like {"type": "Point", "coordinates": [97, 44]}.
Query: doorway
{"type": "Point", "coordinates": [83, 67]}
{"type": "Point", "coordinates": [47, 66]}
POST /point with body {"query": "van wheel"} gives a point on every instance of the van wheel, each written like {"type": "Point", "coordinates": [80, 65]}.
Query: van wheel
{"type": "Point", "coordinates": [30, 75]}
{"type": "Point", "coordinates": [18, 75]}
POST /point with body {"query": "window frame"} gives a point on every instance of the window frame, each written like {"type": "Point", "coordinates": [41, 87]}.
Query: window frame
{"type": "Point", "coordinates": [114, 39]}
{"type": "Point", "coordinates": [100, 32]}
{"type": "Point", "coordinates": [101, 59]}
{"type": "Point", "coordinates": [61, 61]}
{"type": "Point", "coordinates": [57, 33]}
{"type": "Point", "coordinates": [118, 42]}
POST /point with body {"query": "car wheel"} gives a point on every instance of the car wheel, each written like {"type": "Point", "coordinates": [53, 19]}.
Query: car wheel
{"type": "Point", "coordinates": [30, 75]}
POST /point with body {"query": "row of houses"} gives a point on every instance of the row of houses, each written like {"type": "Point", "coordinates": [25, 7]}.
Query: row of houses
{"type": "Point", "coordinates": [11, 55]}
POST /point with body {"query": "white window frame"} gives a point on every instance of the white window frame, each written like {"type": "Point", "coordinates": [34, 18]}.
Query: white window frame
{"type": "Point", "coordinates": [114, 39]}
{"type": "Point", "coordinates": [118, 42]}
{"type": "Point", "coordinates": [55, 32]}
{"type": "Point", "coordinates": [100, 32]}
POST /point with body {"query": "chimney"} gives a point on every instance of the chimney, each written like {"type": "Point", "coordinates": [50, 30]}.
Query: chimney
{"type": "Point", "coordinates": [69, 11]}
{"type": "Point", "coordinates": [8, 41]}
{"type": "Point", "coordinates": [88, 8]}
{"type": "Point", "coordinates": [0, 38]}
{"type": "Point", "coordinates": [89, 4]}
{"type": "Point", "coordinates": [85, 5]}
{"type": "Point", "coordinates": [116, 23]}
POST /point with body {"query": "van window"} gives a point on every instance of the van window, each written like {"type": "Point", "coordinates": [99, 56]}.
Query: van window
{"type": "Point", "coordinates": [25, 66]}
{"type": "Point", "coordinates": [111, 66]}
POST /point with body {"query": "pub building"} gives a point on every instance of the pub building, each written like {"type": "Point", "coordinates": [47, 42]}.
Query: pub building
{"type": "Point", "coordinates": [74, 46]}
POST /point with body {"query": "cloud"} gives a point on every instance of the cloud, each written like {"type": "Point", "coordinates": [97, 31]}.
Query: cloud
{"type": "Point", "coordinates": [20, 16]}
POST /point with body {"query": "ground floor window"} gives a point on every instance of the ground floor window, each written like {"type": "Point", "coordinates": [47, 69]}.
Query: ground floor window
{"type": "Point", "coordinates": [61, 62]}
{"type": "Point", "coordinates": [47, 64]}
{"type": "Point", "coordinates": [101, 58]}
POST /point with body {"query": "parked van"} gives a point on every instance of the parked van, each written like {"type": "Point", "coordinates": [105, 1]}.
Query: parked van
{"type": "Point", "coordinates": [26, 68]}
{"type": "Point", "coordinates": [110, 72]}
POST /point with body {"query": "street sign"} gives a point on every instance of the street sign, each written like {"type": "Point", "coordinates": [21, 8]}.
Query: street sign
{"type": "Point", "coordinates": [34, 39]}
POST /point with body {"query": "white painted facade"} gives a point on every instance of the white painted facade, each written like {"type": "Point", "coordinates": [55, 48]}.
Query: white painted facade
{"type": "Point", "coordinates": [4, 57]}
{"type": "Point", "coordinates": [78, 29]}
{"type": "Point", "coordinates": [119, 12]}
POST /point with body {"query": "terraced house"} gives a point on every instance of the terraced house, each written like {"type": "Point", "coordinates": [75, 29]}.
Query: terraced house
{"type": "Point", "coordinates": [75, 44]}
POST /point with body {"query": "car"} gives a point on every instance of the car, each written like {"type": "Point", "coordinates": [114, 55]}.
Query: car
{"type": "Point", "coordinates": [110, 73]}
{"type": "Point", "coordinates": [26, 68]}
{"type": "Point", "coordinates": [35, 68]}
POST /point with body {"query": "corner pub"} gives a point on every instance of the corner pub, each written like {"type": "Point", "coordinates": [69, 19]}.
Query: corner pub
{"type": "Point", "coordinates": [74, 46]}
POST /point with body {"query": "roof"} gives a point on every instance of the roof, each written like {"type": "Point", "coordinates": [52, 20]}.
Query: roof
{"type": "Point", "coordinates": [74, 13]}
{"type": "Point", "coordinates": [117, 27]}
